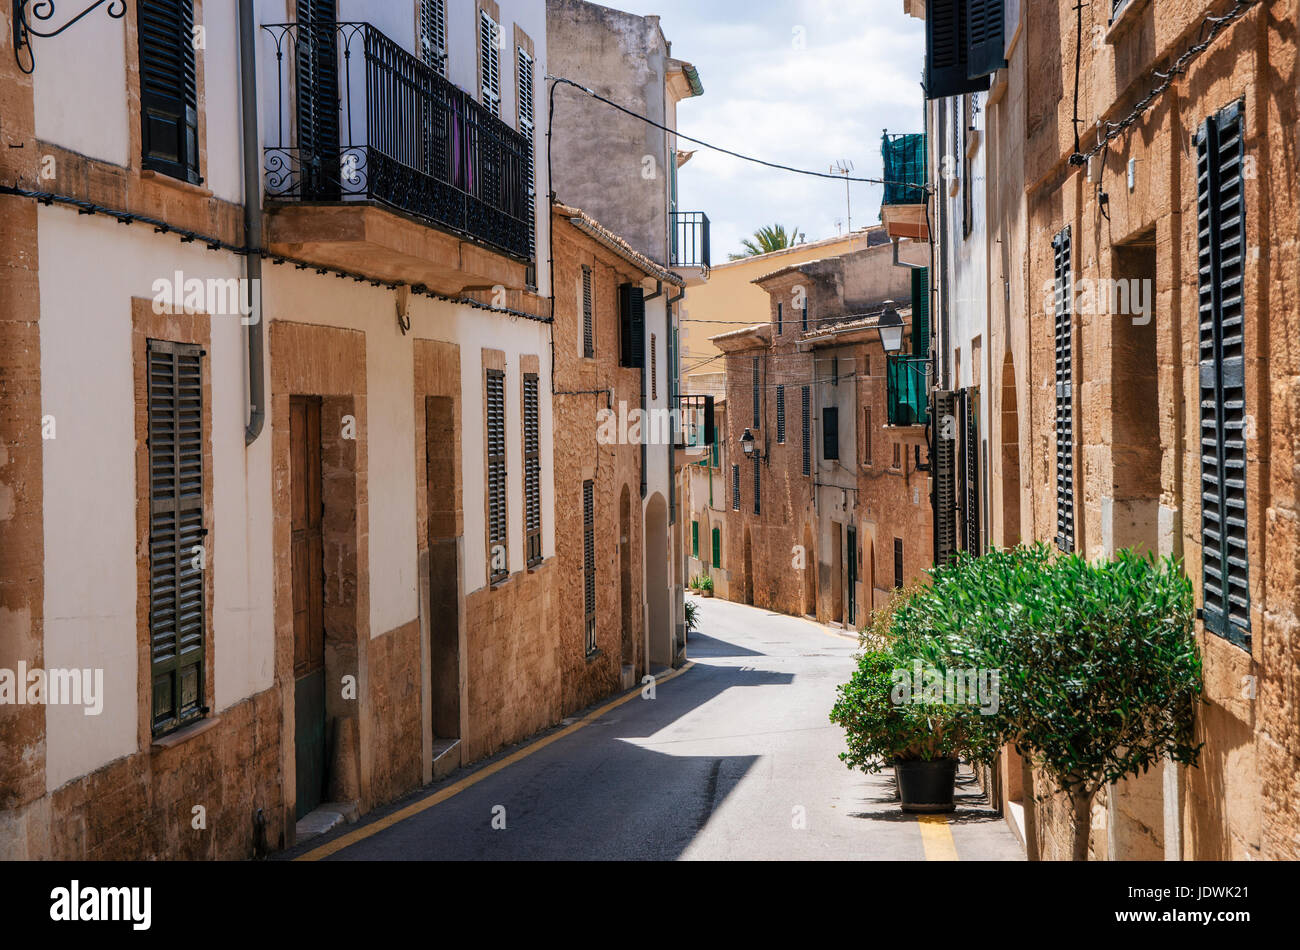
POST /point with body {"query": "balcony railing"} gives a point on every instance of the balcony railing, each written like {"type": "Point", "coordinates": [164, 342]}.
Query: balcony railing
{"type": "Point", "coordinates": [360, 118]}
{"type": "Point", "coordinates": [905, 167]}
{"type": "Point", "coordinates": [909, 394]}
{"type": "Point", "coordinates": [691, 240]}
{"type": "Point", "coordinates": [694, 423]}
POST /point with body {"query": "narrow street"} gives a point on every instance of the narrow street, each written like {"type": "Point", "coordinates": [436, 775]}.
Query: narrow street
{"type": "Point", "coordinates": [734, 758]}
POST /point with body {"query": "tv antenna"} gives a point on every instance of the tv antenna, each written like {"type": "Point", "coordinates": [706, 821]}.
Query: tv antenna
{"type": "Point", "coordinates": [845, 167]}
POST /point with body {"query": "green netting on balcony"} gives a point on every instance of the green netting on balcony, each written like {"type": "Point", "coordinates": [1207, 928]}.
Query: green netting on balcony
{"type": "Point", "coordinates": [905, 161]}
{"type": "Point", "coordinates": [909, 398]}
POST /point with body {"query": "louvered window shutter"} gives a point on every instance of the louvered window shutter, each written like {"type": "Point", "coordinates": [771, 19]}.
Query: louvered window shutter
{"type": "Point", "coordinates": [920, 312]}
{"type": "Point", "coordinates": [588, 317]}
{"type": "Point", "coordinates": [177, 536]}
{"type": "Point", "coordinates": [527, 120]}
{"type": "Point", "coordinates": [498, 559]}
{"type": "Point", "coordinates": [831, 434]}
{"type": "Point", "coordinates": [695, 539]}
{"type": "Point", "coordinates": [1063, 290]}
{"type": "Point", "coordinates": [490, 63]}
{"type": "Point", "coordinates": [317, 98]}
{"type": "Point", "coordinates": [717, 547]}
{"type": "Point", "coordinates": [758, 421]}
{"type": "Point", "coordinates": [758, 487]}
{"type": "Point", "coordinates": [985, 37]}
{"type": "Point", "coordinates": [1221, 237]}
{"type": "Point", "coordinates": [945, 479]}
{"type": "Point", "coordinates": [433, 34]}
{"type": "Point", "coordinates": [589, 562]}
{"type": "Point", "coordinates": [654, 368]}
{"type": "Point", "coordinates": [946, 53]}
{"type": "Point", "coordinates": [532, 470]}
{"type": "Point", "coordinates": [971, 470]}
{"type": "Point", "coordinates": [806, 426]}
{"type": "Point", "coordinates": [780, 318]}
{"type": "Point", "coordinates": [735, 488]}
{"type": "Point", "coordinates": [169, 96]}
{"type": "Point", "coordinates": [632, 326]}
{"type": "Point", "coordinates": [780, 415]}
{"type": "Point", "coordinates": [898, 564]}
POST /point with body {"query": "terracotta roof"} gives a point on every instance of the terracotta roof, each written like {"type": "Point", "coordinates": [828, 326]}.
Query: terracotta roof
{"type": "Point", "coordinates": [586, 223]}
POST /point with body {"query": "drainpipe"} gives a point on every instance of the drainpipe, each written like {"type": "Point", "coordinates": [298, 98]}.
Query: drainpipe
{"type": "Point", "coordinates": [252, 219]}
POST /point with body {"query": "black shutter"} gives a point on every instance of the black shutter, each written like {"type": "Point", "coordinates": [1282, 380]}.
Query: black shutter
{"type": "Point", "coordinates": [971, 471]}
{"type": "Point", "coordinates": [169, 90]}
{"type": "Point", "coordinates": [898, 564]}
{"type": "Point", "coordinates": [945, 478]}
{"type": "Point", "coordinates": [831, 434]}
{"type": "Point", "coordinates": [498, 562]}
{"type": "Point", "coordinates": [589, 563]}
{"type": "Point", "coordinates": [1221, 235]}
{"type": "Point", "coordinates": [318, 100]}
{"type": "Point", "coordinates": [780, 317]}
{"type": "Point", "coordinates": [1063, 289]}
{"type": "Point", "coordinates": [588, 317]}
{"type": "Point", "coordinates": [758, 420]}
{"type": "Point", "coordinates": [735, 488]}
{"type": "Point", "coordinates": [710, 423]}
{"type": "Point", "coordinates": [806, 424]}
{"type": "Point", "coordinates": [631, 312]}
{"type": "Point", "coordinates": [758, 487]}
{"type": "Point", "coordinates": [780, 415]}
{"type": "Point", "coordinates": [177, 556]}
{"type": "Point", "coordinates": [946, 55]}
{"type": "Point", "coordinates": [985, 37]}
{"type": "Point", "coordinates": [532, 471]}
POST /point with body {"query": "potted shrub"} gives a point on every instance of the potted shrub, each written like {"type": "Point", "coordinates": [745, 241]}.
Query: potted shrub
{"type": "Point", "coordinates": [706, 586]}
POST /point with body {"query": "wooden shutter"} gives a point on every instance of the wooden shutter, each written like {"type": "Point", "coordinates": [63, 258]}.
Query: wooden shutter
{"type": "Point", "coordinates": [169, 91]}
{"type": "Point", "coordinates": [780, 415]}
{"type": "Point", "coordinates": [806, 424]}
{"type": "Point", "coordinates": [498, 560]}
{"type": "Point", "coordinates": [527, 125]}
{"type": "Point", "coordinates": [985, 37]}
{"type": "Point", "coordinates": [920, 312]}
{"type": "Point", "coordinates": [654, 368]}
{"type": "Point", "coordinates": [532, 471]}
{"type": "Point", "coordinates": [433, 34]}
{"type": "Point", "coordinates": [758, 486]}
{"type": "Point", "coordinates": [945, 478]}
{"type": "Point", "coordinates": [177, 536]}
{"type": "Point", "coordinates": [866, 437]}
{"type": "Point", "coordinates": [317, 99]}
{"type": "Point", "coordinates": [758, 417]}
{"type": "Point", "coordinates": [588, 317]}
{"type": "Point", "coordinates": [1221, 237]}
{"type": "Point", "coordinates": [589, 562]}
{"type": "Point", "coordinates": [780, 317]}
{"type": "Point", "coordinates": [631, 300]}
{"type": "Point", "coordinates": [695, 539]}
{"type": "Point", "coordinates": [717, 547]}
{"type": "Point", "coordinates": [1063, 289]}
{"type": "Point", "coordinates": [898, 564]}
{"type": "Point", "coordinates": [490, 63]}
{"type": "Point", "coordinates": [735, 488]}
{"type": "Point", "coordinates": [831, 434]}
{"type": "Point", "coordinates": [970, 470]}
{"type": "Point", "coordinates": [946, 52]}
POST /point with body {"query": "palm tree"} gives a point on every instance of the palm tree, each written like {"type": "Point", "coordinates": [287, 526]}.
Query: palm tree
{"type": "Point", "coordinates": [768, 239]}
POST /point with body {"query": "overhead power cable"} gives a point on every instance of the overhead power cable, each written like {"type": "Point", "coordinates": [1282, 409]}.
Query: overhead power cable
{"type": "Point", "coordinates": [726, 151]}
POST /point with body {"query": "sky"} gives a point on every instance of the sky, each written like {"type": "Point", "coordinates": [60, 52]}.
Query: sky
{"type": "Point", "coordinates": [800, 82]}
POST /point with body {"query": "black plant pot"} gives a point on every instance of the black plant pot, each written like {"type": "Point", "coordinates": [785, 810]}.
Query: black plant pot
{"type": "Point", "coordinates": [927, 787]}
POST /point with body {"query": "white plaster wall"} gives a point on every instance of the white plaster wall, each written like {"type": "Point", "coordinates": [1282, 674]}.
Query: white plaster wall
{"type": "Point", "coordinates": [90, 270]}
{"type": "Point", "coordinates": [223, 173]}
{"type": "Point", "coordinates": [80, 85]}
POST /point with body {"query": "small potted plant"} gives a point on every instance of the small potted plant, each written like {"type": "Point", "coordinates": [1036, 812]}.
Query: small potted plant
{"type": "Point", "coordinates": [706, 586]}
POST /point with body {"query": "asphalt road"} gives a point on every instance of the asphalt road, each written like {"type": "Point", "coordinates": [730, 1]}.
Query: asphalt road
{"type": "Point", "coordinates": [734, 759]}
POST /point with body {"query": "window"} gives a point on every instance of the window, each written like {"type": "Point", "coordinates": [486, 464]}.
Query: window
{"type": "Point", "coordinates": [1221, 241]}
{"type": "Point", "coordinates": [944, 461]}
{"type": "Point", "coordinates": [433, 34]}
{"type": "Point", "coordinates": [805, 318]}
{"type": "Point", "coordinates": [830, 434]}
{"type": "Point", "coordinates": [835, 370]}
{"type": "Point", "coordinates": [806, 424]}
{"type": "Point", "coordinates": [527, 124]}
{"type": "Point", "coordinates": [654, 368]}
{"type": "Point", "coordinates": [780, 415]}
{"type": "Point", "coordinates": [758, 421]}
{"type": "Point", "coordinates": [589, 562]}
{"type": "Point", "coordinates": [970, 453]}
{"type": "Point", "coordinates": [498, 560]}
{"type": "Point", "coordinates": [717, 547]}
{"type": "Point", "coordinates": [176, 534]}
{"type": "Point", "coordinates": [897, 462]}
{"type": "Point", "coordinates": [1063, 301]}
{"type": "Point", "coordinates": [758, 487]}
{"type": "Point", "coordinates": [588, 317]}
{"type": "Point", "coordinates": [960, 45]}
{"type": "Point", "coordinates": [490, 63]}
{"type": "Point", "coordinates": [695, 539]}
{"type": "Point", "coordinates": [532, 472]}
{"type": "Point", "coordinates": [898, 563]}
{"type": "Point", "coordinates": [780, 317]}
{"type": "Point", "coordinates": [866, 437]}
{"type": "Point", "coordinates": [631, 312]}
{"type": "Point", "coordinates": [735, 488]}
{"type": "Point", "coordinates": [169, 96]}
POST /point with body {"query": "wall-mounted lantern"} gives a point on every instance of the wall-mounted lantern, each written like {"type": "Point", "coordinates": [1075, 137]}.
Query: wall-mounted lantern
{"type": "Point", "coordinates": [891, 329]}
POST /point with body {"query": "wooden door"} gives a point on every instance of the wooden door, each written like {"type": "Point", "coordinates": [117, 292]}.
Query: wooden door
{"type": "Point", "coordinates": [308, 600]}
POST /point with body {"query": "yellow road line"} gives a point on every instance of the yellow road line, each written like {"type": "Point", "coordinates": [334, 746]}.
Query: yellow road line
{"type": "Point", "coordinates": [936, 838]}
{"type": "Point", "coordinates": [360, 834]}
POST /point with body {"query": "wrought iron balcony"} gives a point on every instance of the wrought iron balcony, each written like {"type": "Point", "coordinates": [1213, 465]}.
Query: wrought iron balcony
{"type": "Point", "coordinates": [361, 118]}
{"type": "Point", "coordinates": [693, 423]}
{"type": "Point", "coordinates": [909, 394]}
{"type": "Point", "coordinates": [905, 168]}
{"type": "Point", "coordinates": [691, 240]}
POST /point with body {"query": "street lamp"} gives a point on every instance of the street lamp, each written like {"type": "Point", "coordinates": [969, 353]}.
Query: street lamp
{"type": "Point", "coordinates": [748, 444]}
{"type": "Point", "coordinates": [891, 329]}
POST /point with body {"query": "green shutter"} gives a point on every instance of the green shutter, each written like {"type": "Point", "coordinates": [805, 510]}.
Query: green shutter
{"type": "Point", "coordinates": [717, 547]}
{"type": "Point", "coordinates": [921, 312]}
{"type": "Point", "coordinates": [695, 539]}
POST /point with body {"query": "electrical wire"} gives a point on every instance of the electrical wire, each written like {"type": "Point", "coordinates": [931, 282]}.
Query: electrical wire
{"type": "Point", "coordinates": [834, 176]}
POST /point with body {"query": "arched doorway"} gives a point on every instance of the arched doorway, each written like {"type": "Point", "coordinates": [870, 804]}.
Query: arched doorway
{"type": "Point", "coordinates": [658, 593]}
{"type": "Point", "coordinates": [1010, 456]}
{"type": "Point", "coordinates": [749, 569]}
